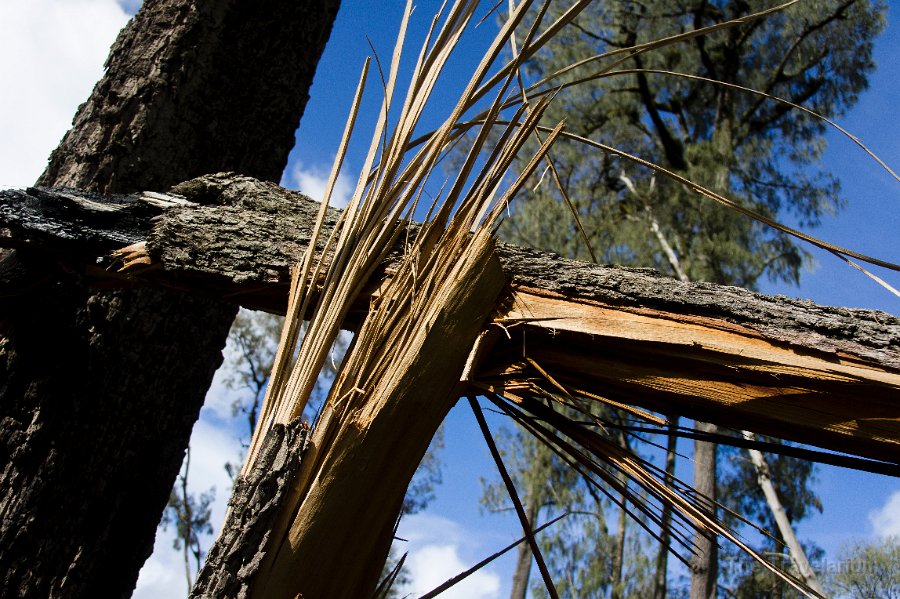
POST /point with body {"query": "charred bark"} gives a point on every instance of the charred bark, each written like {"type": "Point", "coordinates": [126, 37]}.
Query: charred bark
{"type": "Point", "coordinates": [100, 389]}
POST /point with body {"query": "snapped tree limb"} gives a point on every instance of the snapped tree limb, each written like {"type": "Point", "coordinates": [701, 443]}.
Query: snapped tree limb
{"type": "Point", "coordinates": [789, 368]}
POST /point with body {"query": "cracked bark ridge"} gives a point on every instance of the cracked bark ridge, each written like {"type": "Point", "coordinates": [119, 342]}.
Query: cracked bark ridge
{"type": "Point", "coordinates": [239, 237]}
{"type": "Point", "coordinates": [193, 88]}
{"type": "Point", "coordinates": [238, 552]}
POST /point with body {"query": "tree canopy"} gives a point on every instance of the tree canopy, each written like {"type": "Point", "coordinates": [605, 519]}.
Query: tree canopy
{"type": "Point", "coordinates": [682, 108]}
{"type": "Point", "coordinates": [679, 107]}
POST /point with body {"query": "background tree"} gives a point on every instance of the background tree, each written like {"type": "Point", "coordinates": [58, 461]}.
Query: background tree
{"type": "Point", "coordinates": [739, 490]}
{"type": "Point", "coordinates": [190, 516]}
{"type": "Point", "coordinates": [867, 570]}
{"type": "Point", "coordinates": [757, 152]}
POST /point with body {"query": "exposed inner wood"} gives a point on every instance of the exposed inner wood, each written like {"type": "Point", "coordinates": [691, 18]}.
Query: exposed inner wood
{"type": "Point", "coordinates": [773, 365]}
{"type": "Point", "coordinates": [701, 367]}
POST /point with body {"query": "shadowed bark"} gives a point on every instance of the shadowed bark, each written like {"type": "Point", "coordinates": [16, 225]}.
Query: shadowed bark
{"type": "Point", "coordinates": [236, 556]}
{"type": "Point", "coordinates": [100, 388]}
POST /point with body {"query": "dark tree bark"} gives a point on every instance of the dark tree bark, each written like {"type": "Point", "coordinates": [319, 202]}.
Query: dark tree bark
{"type": "Point", "coordinates": [705, 563]}
{"type": "Point", "coordinates": [238, 552]}
{"type": "Point", "coordinates": [523, 555]}
{"type": "Point", "coordinates": [100, 389]}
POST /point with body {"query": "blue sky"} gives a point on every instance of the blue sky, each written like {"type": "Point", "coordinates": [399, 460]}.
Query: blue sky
{"type": "Point", "coordinates": [47, 58]}
{"type": "Point", "coordinates": [870, 224]}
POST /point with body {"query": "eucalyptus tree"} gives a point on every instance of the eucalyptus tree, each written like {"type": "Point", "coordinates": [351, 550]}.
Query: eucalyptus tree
{"type": "Point", "coordinates": [683, 108]}
{"type": "Point", "coordinates": [867, 569]}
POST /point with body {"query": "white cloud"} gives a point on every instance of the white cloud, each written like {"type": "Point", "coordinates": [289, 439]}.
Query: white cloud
{"type": "Point", "coordinates": [433, 564]}
{"type": "Point", "coordinates": [211, 446]}
{"type": "Point", "coordinates": [163, 572]}
{"type": "Point", "coordinates": [886, 520]}
{"type": "Point", "coordinates": [435, 545]}
{"type": "Point", "coordinates": [312, 181]}
{"type": "Point", "coordinates": [51, 54]}
{"type": "Point", "coordinates": [220, 397]}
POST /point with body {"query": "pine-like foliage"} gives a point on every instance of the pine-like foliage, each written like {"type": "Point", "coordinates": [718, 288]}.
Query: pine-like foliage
{"type": "Point", "coordinates": [758, 152]}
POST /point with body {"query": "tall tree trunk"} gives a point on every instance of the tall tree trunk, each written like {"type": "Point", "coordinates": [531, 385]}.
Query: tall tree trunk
{"type": "Point", "coordinates": [100, 389]}
{"type": "Point", "coordinates": [798, 555]}
{"type": "Point", "coordinates": [524, 557]}
{"type": "Point", "coordinates": [618, 561]}
{"type": "Point", "coordinates": [662, 556]}
{"type": "Point", "coordinates": [705, 565]}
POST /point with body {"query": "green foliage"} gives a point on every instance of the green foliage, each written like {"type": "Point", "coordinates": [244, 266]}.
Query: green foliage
{"type": "Point", "coordinates": [740, 492]}
{"type": "Point", "coordinates": [742, 578]}
{"type": "Point", "coordinates": [757, 151]}
{"type": "Point", "coordinates": [581, 553]}
{"type": "Point", "coordinates": [866, 571]}
{"type": "Point", "coordinates": [190, 515]}
{"type": "Point", "coordinates": [581, 550]}
{"type": "Point", "coordinates": [792, 478]}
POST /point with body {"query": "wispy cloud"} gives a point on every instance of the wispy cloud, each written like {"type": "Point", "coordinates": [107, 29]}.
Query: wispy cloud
{"type": "Point", "coordinates": [51, 54]}
{"type": "Point", "coordinates": [439, 549]}
{"type": "Point", "coordinates": [312, 179]}
{"type": "Point", "coordinates": [211, 446]}
{"type": "Point", "coordinates": [886, 520]}
{"type": "Point", "coordinates": [433, 564]}
{"type": "Point", "coordinates": [163, 572]}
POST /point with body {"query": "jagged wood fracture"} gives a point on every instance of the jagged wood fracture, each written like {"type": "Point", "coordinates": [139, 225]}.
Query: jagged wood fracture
{"type": "Point", "coordinates": [823, 376]}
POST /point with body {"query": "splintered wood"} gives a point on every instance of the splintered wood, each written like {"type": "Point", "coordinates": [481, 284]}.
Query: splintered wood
{"type": "Point", "coordinates": [704, 367]}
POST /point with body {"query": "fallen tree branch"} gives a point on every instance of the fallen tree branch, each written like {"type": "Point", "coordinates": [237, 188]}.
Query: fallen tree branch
{"type": "Point", "coordinates": [782, 367]}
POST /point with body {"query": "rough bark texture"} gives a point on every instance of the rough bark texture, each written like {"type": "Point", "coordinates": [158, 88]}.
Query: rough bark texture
{"type": "Point", "coordinates": [705, 563]}
{"type": "Point", "coordinates": [235, 557]}
{"type": "Point", "coordinates": [241, 241]}
{"type": "Point", "coordinates": [193, 88]}
{"type": "Point", "coordinates": [87, 459]}
{"type": "Point", "coordinates": [100, 389]}
{"type": "Point", "coordinates": [239, 237]}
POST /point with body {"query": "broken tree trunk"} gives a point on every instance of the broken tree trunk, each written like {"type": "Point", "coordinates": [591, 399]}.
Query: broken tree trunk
{"type": "Point", "coordinates": [235, 558]}
{"type": "Point", "coordinates": [828, 377]}
{"type": "Point", "coordinates": [100, 389]}
{"type": "Point", "coordinates": [338, 524]}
